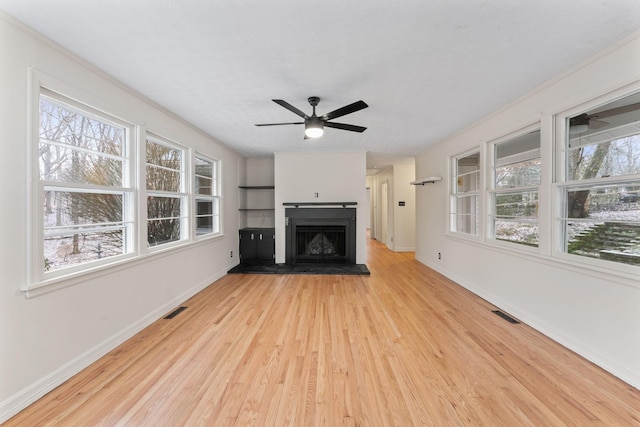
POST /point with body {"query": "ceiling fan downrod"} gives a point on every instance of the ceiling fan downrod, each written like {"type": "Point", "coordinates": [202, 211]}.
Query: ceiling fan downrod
{"type": "Point", "coordinates": [314, 100]}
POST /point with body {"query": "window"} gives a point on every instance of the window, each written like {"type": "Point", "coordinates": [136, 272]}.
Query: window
{"type": "Point", "coordinates": [465, 193]}
{"type": "Point", "coordinates": [167, 213]}
{"type": "Point", "coordinates": [600, 190]}
{"type": "Point", "coordinates": [84, 187]}
{"type": "Point", "coordinates": [514, 194]}
{"type": "Point", "coordinates": [207, 196]}
{"type": "Point", "coordinates": [94, 197]}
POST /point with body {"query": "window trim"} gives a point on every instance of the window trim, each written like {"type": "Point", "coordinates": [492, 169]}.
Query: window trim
{"type": "Point", "coordinates": [36, 235]}
{"type": "Point", "coordinates": [215, 195]}
{"type": "Point", "coordinates": [183, 194]}
{"type": "Point", "coordinates": [454, 196]}
{"type": "Point", "coordinates": [36, 283]}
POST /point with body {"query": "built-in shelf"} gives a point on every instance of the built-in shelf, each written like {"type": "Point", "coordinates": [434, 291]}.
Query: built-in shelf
{"type": "Point", "coordinates": [429, 180]}
{"type": "Point", "coordinates": [256, 206]}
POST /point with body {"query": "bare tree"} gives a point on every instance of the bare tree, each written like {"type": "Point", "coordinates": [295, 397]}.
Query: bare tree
{"type": "Point", "coordinates": [72, 149]}
{"type": "Point", "coordinates": [162, 175]}
{"type": "Point", "coordinates": [577, 204]}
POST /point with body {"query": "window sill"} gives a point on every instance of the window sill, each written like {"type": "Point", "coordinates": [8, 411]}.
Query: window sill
{"type": "Point", "coordinates": [46, 286]}
{"type": "Point", "coordinates": [464, 237]}
{"type": "Point", "coordinates": [625, 274]}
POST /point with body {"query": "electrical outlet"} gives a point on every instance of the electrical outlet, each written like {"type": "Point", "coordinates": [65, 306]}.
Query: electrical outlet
{"type": "Point", "coordinates": [439, 255]}
{"type": "Point", "coordinates": [231, 254]}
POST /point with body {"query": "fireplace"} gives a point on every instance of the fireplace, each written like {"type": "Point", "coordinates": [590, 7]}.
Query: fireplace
{"type": "Point", "coordinates": [320, 235]}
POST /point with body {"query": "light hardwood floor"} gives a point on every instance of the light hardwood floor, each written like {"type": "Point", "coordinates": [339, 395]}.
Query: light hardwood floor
{"type": "Point", "coordinates": [404, 346]}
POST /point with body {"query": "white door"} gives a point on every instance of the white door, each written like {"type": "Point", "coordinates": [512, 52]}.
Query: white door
{"type": "Point", "coordinates": [370, 206]}
{"type": "Point", "coordinates": [384, 214]}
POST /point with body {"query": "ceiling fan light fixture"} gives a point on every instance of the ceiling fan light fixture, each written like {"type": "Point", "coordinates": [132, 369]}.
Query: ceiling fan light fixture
{"type": "Point", "coordinates": [579, 124]}
{"type": "Point", "coordinates": [313, 128]}
{"type": "Point", "coordinates": [579, 128]}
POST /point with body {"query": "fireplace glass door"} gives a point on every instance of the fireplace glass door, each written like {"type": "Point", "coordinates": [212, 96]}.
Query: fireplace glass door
{"type": "Point", "coordinates": [320, 244]}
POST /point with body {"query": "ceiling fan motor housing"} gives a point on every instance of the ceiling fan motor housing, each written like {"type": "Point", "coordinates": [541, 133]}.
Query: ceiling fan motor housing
{"type": "Point", "coordinates": [314, 122]}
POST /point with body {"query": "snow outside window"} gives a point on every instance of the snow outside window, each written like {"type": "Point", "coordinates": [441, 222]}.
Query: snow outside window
{"type": "Point", "coordinates": [513, 213]}
{"type": "Point", "coordinates": [85, 191]}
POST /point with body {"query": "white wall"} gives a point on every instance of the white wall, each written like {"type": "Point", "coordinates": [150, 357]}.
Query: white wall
{"type": "Point", "coordinates": [259, 171]}
{"type": "Point", "coordinates": [46, 339]}
{"type": "Point", "coordinates": [336, 177]}
{"type": "Point", "coordinates": [404, 217]}
{"type": "Point", "coordinates": [593, 312]}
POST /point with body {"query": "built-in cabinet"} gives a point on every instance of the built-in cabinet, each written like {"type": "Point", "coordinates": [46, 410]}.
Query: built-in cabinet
{"type": "Point", "coordinates": [256, 211]}
{"type": "Point", "coordinates": [257, 245]}
{"type": "Point", "coordinates": [257, 232]}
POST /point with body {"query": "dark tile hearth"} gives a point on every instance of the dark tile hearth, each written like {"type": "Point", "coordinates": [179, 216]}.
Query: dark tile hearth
{"type": "Point", "coordinates": [336, 269]}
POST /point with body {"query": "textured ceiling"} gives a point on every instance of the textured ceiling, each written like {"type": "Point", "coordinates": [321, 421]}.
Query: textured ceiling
{"type": "Point", "coordinates": [427, 68]}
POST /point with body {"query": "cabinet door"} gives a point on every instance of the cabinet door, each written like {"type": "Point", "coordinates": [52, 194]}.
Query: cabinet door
{"type": "Point", "coordinates": [248, 245]}
{"type": "Point", "coordinates": [266, 246]}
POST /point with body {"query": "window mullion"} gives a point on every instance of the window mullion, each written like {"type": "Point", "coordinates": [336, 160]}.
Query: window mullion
{"type": "Point", "coordinates": [523, 189]}
{"type": "Point", "coordinates": [74, 187]}
{"type": "Point", "coordinates": [81, 149]}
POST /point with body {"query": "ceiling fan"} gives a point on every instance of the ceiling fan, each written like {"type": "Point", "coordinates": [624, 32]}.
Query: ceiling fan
{"type": "Point", "coordinates": [314, 125]}
{"type": "Point", "coordinates": [583, 122]}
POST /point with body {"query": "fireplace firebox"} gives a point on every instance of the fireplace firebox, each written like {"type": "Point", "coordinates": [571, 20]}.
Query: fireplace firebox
{"type": "Point", "coordinates": [320, 235]}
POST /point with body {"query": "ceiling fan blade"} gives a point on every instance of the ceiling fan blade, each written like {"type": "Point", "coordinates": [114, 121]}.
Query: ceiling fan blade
{"type": "Point", "coordinates": [290, 107]}
{"type": "Point", "coordinates": [347, 109]}
{"type": "Point", "coordinates": [616, 111]}
{"type": "Point", "coordinates": [343, 126]}
{"type": "Point", "coordinates": [279, 124]}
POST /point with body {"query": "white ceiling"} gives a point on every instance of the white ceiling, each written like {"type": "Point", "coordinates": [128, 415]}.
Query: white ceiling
{"type": "Point", "coordinates": [427, 68]}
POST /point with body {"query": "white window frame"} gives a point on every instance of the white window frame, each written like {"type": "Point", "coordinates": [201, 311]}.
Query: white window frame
{"type": "Point", "coordinates": [132, 186]}
{"type": "Point", "coordinates": [214, 197]}
{"type": "Point", "coordinates": [39, 276]}
{"type": "Point", "coordinates": [493, 191]}
{"type": "Point", "coordinates": [562, 186]}
{"type": "Point", "coordinates": [456, 195]}
{"type": "Point", "coordinates": [181, 194]}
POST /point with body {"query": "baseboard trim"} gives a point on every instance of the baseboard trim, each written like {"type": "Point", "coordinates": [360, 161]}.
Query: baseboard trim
{"type": "Point", "coordinates": [21, 400]}
{"type": "Point", "coordinates": [405, 249]}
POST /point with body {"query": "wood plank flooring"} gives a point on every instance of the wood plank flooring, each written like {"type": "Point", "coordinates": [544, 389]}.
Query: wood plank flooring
{"type": "Point", "coordinates": [404, 346]}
